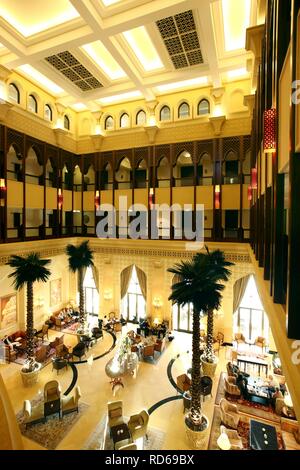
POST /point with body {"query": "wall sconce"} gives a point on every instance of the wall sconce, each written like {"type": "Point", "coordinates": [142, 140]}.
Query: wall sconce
{"type": "Point", "coordinates": [2, 191]}
{"type": "Point", "coordinates": [97, 200]}
{"type": "Point", "coordinates": [254, 178]}
{"type": "Point", "coordinates": [107, 295]}
{"type": "Point", "coordinates": [217, 196]}
{"type": "Point", "coordinates": [60, 198]}
{"type": "Point", "coordinates": [152, 121]}
{"type": "Point", "coordinates": [249, 193]}
{"type": "Point", "coordinates": [270, 130]}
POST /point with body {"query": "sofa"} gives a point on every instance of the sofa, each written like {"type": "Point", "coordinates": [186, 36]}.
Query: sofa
{"type": "Point", "coordinates": [32, 414]}
{"type": "Point", "coordinates": [235, 440]}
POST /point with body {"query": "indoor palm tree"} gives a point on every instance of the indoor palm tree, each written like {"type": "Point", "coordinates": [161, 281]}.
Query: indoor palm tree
{"type": "Point", "coordinates": [198, 283]}
{"type": "Point", "coordinates": [27, 271]}
{"type": "Point", "coordinates": [80, 258]}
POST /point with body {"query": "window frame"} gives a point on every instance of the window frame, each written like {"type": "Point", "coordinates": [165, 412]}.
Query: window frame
{"type": "Point", "coordinates": [199, 105]}
{"type": "Point", "coordinates": [16, 89]}
{"type": "Point", "coordinates": [48, 107]}
{"type": "Point", "coordinates": [68, 121]}
{"type": "Point", "coordinates": [184, 103]}
{"type": "Point", "coordinates": [105, 123]}
{"type": "Point", "coordinates": [160, 113]}
{"type": "Point", "coordinates": [137, 118]}
{"type": "Point", "coordinates": [34, 100]}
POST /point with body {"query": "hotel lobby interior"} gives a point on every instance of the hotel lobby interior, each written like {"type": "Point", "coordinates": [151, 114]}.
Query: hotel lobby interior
{"type": "Point", "coordinates": [149, 225]}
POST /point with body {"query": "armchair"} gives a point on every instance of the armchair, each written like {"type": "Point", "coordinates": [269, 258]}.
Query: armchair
{"type": "Point", "coordinates": [43, 332]}
{"type": "Point", "coordinates": [41, 353]}
{"type": "Point", "coordinates": [52, 391]}
{"type": "Point", "coordinates": [70, 404]}
{"type": "Point", "coordinates": [97, 333]}
{"type": "Point", "coordinates": [279, 404]}
{"type": "Point", "coordinates": [9, 353]}
{"type": "Point", "coordinates": [32, 414]}
{"type": "Point", "coordinates": [137, 424]}
{"type": "Point", "coordinates": [184, 382]}
{"type": "Point", "coordinates": [239, 338]}
{"type": "Point", "coordinates": [79, 350]}
{"type": "Point", "coordinates": [148, 351]}
{"type": "Point", "coordinates": [230, 386]}
{"type": "Point", "coordinates": [260, 342]}
{"type": "Point", "coordinates": [115, 413]}
{"type": "Point", "coordinates": [234, 438]}
{"type": "Point", "coordinates": [61, 350]}
{"type": "Point", "coordinates": [229, 414]}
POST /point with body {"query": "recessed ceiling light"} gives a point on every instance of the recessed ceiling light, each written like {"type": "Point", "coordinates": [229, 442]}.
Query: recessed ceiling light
{"type": "Point", "coordinates": [40, 79]}
{"type": "Point", "coordinates": [236, 18]}
{"type": "Point", "coordinates": [103, 59]}
{"type": "Point", "coordinates": [122, 97]}
{"type": "Point", "coordinates": [142, 46]}
{"type": "Point", "coordinates": [237, 73]}
{"type": "Point", "coordinates": [183, 84]}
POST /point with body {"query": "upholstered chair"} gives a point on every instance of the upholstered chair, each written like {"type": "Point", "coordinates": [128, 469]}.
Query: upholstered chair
{"type": "Point", "coordinates": [32, 414]}
{"type": "Point", "coordinates": [138, 424]}
{"type": "Point", "coordinates": [115, 413]}
{"type": "Point", "coordinates": [43, 332]}
{"type": "Point", "coordinates": [148, 351]}
{"type": "Point", "coordinates": [229, 414]}
{"type": "Point", "coordinates": [279, 404]}
{"type": "Point", "coordinates": [52, 391]}
{"type": "Point", "coordinates": [183, 382]}
{"type": "Point", "coordinates": [128, 447]}
{"type": "Point", "coordinates": [260, 342]}
{"type": "Point", "coordinates": [230, 387]}
{"type": "Point", "coordinates": [234, 438]}
{"type": "Point", "coordinates": [41, 353]}
{"type": "Point", "coordinates": [70, 403]}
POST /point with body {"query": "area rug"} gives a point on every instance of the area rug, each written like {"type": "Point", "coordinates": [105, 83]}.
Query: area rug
{"type": "Point", "coordinates": [98, 441]}
{"type": "Point", "coordinates": [54, 430]}
{"type": "Point", "coordinates": [71, 329]}
{"type": "Point", "coordinates": [243, 431]}
{"type": "Point", "coordinates": [21, 359]}
{"type": "Point", "coordinates": [245, 406]}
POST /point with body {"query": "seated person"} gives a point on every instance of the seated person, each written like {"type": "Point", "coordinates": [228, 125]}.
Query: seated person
{"type": "Point", "coordinates": [271, 384]}
{"type": "Point", "coordinates": [106, 325]}
{"type": "Point", "coordinates": [9, 343]}
{"type": "Point", "coordinates": [242, 383]}
{"type": "Point", "coordinates": [235, 370]}
{"type": "Point", "coordinates": [275, 395]}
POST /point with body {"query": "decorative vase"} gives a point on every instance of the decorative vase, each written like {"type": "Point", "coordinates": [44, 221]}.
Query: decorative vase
{"type": "Point", "coordinates": [209, 368]}
{"type": "Point", "coordinates": [32, 377]}
{"type": "Point", "coordinates": [197, 434]}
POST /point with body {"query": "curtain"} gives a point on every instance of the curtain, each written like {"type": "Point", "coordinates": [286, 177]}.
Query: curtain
{"type": "Point", "coordinates": [239, 290]}
{"type": "Point", "coordinates": [125, 280]}
{"type": "Point", "coordinates": [142, 278]}
{"type": "Point", "coordinates": [96, 277]}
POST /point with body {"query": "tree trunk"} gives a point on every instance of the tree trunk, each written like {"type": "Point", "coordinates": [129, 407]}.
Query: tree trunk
{"type": "Point", "coordinates": [209, 354]}
{"type": "Point", "coordinates": [29, 323]}
{"type": "Point", "coordinates": [81, 297]}
{"type": "Point", "coordinates": [195, 411]}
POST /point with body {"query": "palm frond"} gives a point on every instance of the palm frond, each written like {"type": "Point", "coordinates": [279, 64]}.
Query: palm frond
{"type": "Point", "coordinates": [79, 256]}
{"type": "Point", "coordinates": [30, 268]}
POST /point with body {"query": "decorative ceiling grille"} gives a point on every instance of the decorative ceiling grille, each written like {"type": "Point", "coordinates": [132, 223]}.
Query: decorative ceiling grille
{"type": "Point", "coordinates": [73, 70]}
{"type": "Point", "coordinates": [181, 39]}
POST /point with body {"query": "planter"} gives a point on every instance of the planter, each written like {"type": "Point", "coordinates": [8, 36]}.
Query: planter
{"type": "Point", "coordinates": [31, 378]}
{"type": "Point", "coordinates": [197, 434]}
{"type": "Point", "coordinates": [209, 368]}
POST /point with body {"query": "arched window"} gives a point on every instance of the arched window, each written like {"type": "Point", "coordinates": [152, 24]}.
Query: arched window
{"type": "Point", "coordinates": [48, 112]}
{"type": "Point", "coordinates": [183, 170]}
{"type": "Point", "coordinates": [107, 177]}
{"type": "Point", "coordinates": [124, 120]}
{"type": "Point", "coordinates": [183, 111]}
{"type": "Point", "coordinates": [13, 93]}
{"type": "Point", "coordinates": [141, 175]}
{"type": "Point", "coordinates": [14, 164]}
{"type": "Point", "coordinates": [163, 173]}
{"type": "Point", "coordinates": [66, 122]}
{"type": "Point", "coordinates": [140, 119]}
{"type": "Point", "coordinates": [32, 104]}
{"type": "Point", "coordinates": [133, 298]}
{"type": "Point", "coordinates": [231, 168]}
{"type": "Point", "coordinates": [124, 174]}
{"type": "Point", "coordinates": [33, 168]}
{"type": "Point", "coordinates": [91, 295]}
{"type": "Point", "coordinates": [203, 107]}
{"type": "Point", "coordinates": [205, 170]}
{"type": "Point", "coordinates": [165, 114]}
{"type": "Point", "coordinates": [109, 123]}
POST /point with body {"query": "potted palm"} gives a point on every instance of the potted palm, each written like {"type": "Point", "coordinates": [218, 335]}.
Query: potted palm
{"type": "Point", "coordinates": [80, 258]}
{"type": "Point", "coordinates": [197, 284]}
{"type": "Point", "coordinates": [27, 271]}
{"type": "Point", "coordinates": [220, 273]}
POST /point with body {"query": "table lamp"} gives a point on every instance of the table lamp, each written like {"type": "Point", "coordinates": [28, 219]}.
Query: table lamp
{"type": "Point", "coordinates": [223, 441]}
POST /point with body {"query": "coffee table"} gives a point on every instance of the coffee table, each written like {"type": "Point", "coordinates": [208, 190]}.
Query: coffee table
{"type": "Point", "coordinates": [120, 433]}
{"type": "Point", "coordinates": [262, 436]}
{"type": "Point", "coordinates": [52, 407]}
{"type": "Point", "coordinates": [257, 392]}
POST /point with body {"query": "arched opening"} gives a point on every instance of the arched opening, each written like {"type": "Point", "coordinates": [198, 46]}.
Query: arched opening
{"type": "Point", "coordinates": [32, 104]}
{"type": "Point", "coordinates": [50, 174]}
{"type": "Point", "coordinates": [205, 170]}
{"type": "Point", "coordinates": [67, 178]}
{"type": "Point", "coordinates": [67, 123]}
{"type": "Point", "coordinates": [165, 114]}
{"type": "Point", "coordinates": [77, 179]}
{"type": "Point", "coordinates": [124, 174]}
{"type": "Point", "coordinates": [163, 173]}
{"type": "Point", "coordinates": [124, 120]}
{"type": "Point", "coordinates": [133, 293]}
{"type": "Point", "coordinates": [247, 168]}
{"type": "Point", "coordinates": [33, 168]}
{"type": "Point", "coordinates": [89, 179]}
{"type": "Point", "coordinates": [249, 316]}
{"type": "Point", "coordinates": [141, 118]}
{"type": "Point", "coordinates": [13, 93]}
{"type": "Point", "coordinates": [231, 168]}
{"type": "Point", "coordinates": [107, 179]}
{"type": "Point", "coordinates": [109, 123]}
{"type": "Point", "coordinates": [183, 170]}
{"type": "Point", "coordinates": [183, 111]}
{"type": "Point", "coordinates": [14, 164]}
{"type": "Point", "coordinates": [141, 175]}
{"type": "Point", "coordinates": [91, 297]}
{"type": "Point", "coordinates": [48, 112]}
{"type": "Point", "coordinates": [203, 107]}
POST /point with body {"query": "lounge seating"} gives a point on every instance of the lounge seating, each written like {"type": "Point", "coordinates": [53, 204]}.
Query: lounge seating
{"type": "Point", "coordinates": [260, 342]}
{"type": "Point", "coordinates": [52, 391]}
{"type": "Point", "coordinates": [43, 332]}
{"type": "Point", "coordinates": [79, 350]}
{"type": "Point", "coordinates": [148, 351]}
{"type": "Point", "coordinates": [229, 414]}
{"type": "Point", "coordinates": [115, 413]}
{"type": "Point", "coordinates": [234, 438]}
{"type": "Point", "coordinates": [59, 363]}
{"type": "Point", "coordinates": [206, 384]}
{"type": "Point", "coordinates": [70, 403]}
{"type": "Point", "coordinates": [230, 387]}
{"type": "Point", "coordinates": [138, 424]}
{"type": "Point", "coordinates": [183, 382]}
{"type": "Point", "coordinates": [239, 338]}
{"type": "Point", "coordinates": [41, 353]}
{"type": "Point", "coordinates": [97, 333]}
{"type": "Point", "coordinates": [61, 350]}
{"type": "Point", "coordinates": [9, 353]}
{"type": "Point", "coordinates": [160, 345]}
{"type": "Point", "coordinates": [117, 326]}
{"type": "Point", "coordinates": [32, 414]}
{"type": "Point", "coordinates": [279, 404]}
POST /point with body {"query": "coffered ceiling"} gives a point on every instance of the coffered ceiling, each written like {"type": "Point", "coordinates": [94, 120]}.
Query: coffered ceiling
{"type": "Point", "coordinates": [89, 53]}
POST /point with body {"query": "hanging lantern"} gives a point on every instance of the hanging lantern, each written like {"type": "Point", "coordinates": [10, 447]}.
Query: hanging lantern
{"type": "Point", "coordinates": [97, 200]}
{"type": "Point", "coordinates": [249, 193]}
{"type": "Point", "coordinates": [254, 178]}
{"type": "Point", "coordinates": [270, 130]}
{"type": "Point", "coordinates": [151, 198]}
{"type": "Point", "coordinates": [217, 196]}
{"type": "Point", "coordinates": [60, 198]}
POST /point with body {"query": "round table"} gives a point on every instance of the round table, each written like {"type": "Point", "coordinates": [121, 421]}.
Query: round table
{"type": "Point", "coordinates": [114, 370]}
